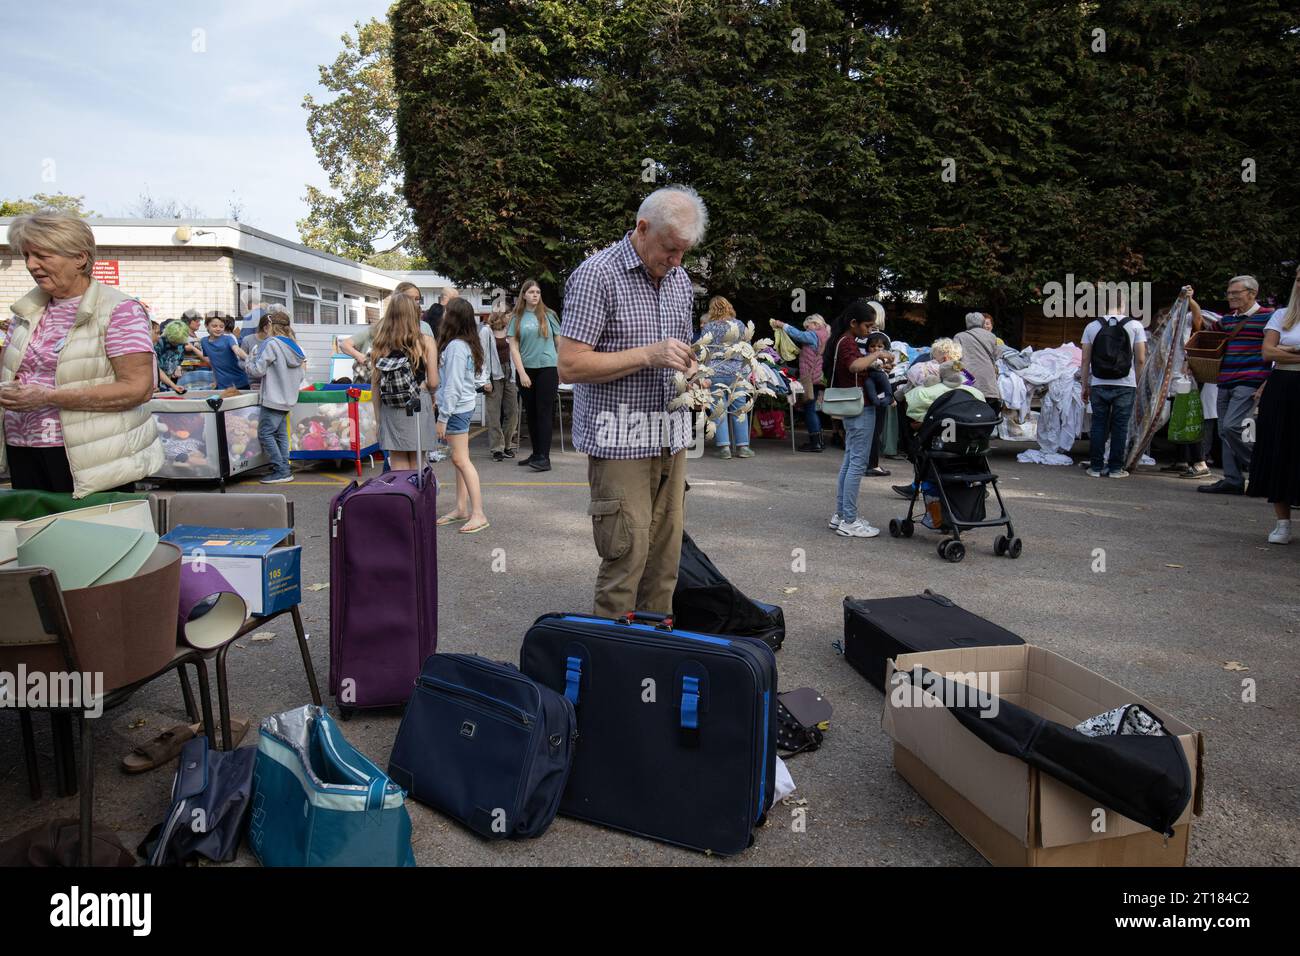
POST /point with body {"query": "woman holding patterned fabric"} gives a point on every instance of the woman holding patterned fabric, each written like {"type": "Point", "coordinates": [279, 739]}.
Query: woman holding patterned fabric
{"type": "Point", "coordinates": [1275, 466]}
{"type": "Point", "coordinates": [811, 340]}
{"type": "Point", "coordinates": [77, 372]}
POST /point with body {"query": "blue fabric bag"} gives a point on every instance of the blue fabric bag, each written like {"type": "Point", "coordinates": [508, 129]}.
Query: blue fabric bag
{"type": "Point", "coordinates": [318, 802]}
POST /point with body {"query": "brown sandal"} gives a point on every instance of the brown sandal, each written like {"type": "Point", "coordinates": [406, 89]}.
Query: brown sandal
{"type": "Point", "coordinates": [162, 749]}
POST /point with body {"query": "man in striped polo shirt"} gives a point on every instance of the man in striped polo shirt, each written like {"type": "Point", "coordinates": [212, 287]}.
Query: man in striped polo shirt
{"type": "Point", "coordinates": [626, 330]}
{"type": "Point", "coordinates": [1241, 376]}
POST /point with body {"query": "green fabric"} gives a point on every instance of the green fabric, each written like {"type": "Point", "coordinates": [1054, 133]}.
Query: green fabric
{"type": "Point", "coordinates": [26, 505]}
{"type": "Point", "coordinates": [332, 397]}
{"type": "Point", "coordinates": [889, 437]}
{"type": "Point", "coordinates": [537, 352]}
{"type": "Point", "coordinates": [1185, 418]}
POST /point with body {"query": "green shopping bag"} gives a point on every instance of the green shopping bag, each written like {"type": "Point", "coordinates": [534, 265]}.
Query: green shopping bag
{"type": "Point", "coordinates": [1185, 418]}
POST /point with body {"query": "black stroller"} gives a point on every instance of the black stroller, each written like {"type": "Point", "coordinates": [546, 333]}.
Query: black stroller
{"type": "Point", "coordinates": [950, 452]}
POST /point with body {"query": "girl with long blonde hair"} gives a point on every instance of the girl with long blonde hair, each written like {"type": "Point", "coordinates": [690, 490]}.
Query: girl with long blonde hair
{"type": "Point", "coordinates": [399, 336]}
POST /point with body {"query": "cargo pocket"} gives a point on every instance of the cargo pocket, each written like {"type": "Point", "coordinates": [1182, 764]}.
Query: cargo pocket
{"type": "Point", "coordinates": [609, 527]}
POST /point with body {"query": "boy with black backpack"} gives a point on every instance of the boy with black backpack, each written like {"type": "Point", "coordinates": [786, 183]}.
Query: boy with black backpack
{"type": "Point", "coordinates": [1114, 350]}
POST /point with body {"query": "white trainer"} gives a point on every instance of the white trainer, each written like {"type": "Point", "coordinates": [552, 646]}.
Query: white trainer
{"type": "Point", "coordinates": [857, 529]}
{"type": "Point", "coordinates": [1281, 533]}
{"type": "Point", "coordinates": [834, 522]}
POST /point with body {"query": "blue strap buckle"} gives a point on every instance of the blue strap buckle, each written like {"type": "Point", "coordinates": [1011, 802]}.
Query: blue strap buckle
{"type": "Point", "coordinates": [690, 711]}
{"type": "Point", "coordinates": [572, 678]}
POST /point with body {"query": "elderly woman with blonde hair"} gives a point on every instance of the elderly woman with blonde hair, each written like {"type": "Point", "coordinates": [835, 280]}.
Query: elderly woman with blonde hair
{"type": "Point", "coordinates": [78, 370]}
{"type": "Point", "coordinates": [811, 340]}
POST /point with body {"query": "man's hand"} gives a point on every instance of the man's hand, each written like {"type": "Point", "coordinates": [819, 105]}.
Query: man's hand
{"type": "Point", "coordinates": [24, 398]}
{"type": "Point", "coordinates": [670, 353]}
{"type": "Point", "coordinates": [1085, 393]}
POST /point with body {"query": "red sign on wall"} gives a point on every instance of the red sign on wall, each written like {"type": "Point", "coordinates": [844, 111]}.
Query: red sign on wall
{"type": "Point", "coordinates": [105, 271]}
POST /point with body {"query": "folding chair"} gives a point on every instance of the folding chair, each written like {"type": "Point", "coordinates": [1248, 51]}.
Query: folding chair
{"type": "Point", "coordinates": [239, 511]}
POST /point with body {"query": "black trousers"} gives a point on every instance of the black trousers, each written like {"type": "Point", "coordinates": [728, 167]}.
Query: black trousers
{"type": "Point", "coordinates": [539, 408]}
{"type": "Point", "coordinates": [873, 460]}
{"type": "Point", "coordinates": [39, 469]}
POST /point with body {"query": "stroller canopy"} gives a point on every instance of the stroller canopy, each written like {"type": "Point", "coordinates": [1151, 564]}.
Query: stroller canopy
{"type": "Point", "coordinates": [973, 416]}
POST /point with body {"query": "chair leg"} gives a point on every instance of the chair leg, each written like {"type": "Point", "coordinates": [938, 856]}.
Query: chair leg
{"type": "Point", "coordinates": [187, 692]}
{"type": "Point", "coordinates": [87, 783]}
{"type": "Point", "coordinates": [306, 655]}
{"type": "Point", "coordinates": [223, 696]}
{"type": "Point", "coordinates": [29, 753]}
{"type": "Point", "coordinates": [205, 700]}
{"type": "Point", "coordinates": [65, 761]}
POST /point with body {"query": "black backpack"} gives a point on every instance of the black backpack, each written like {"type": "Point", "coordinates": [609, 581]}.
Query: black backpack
{"type": "Point", "coordinates": [1112, 350]}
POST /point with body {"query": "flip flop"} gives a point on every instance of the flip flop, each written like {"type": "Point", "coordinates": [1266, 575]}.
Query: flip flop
{"type": "Point", "coordinates": [450, 519]}
{"type": "Point", "coordinates": [474, 530]}
{"type": "Point", "coordinates": [162, 749]}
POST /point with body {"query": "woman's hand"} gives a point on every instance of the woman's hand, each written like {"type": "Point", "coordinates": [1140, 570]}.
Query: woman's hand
{"type": "Point", "coordinates": [777, 324]}
{"type": "Point", "coordinates": [23, 398]}
{"type": "Point", "coordinates": [442, 429]}
{"type": "Point", "coordinates": [524, 380]}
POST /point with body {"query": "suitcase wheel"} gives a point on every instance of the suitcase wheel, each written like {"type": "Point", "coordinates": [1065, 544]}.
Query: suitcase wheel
{"type": "Point", "coordinates": [345, 713]}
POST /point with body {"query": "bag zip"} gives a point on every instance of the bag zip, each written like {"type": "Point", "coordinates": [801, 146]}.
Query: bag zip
{"type": "Point", "coordinates": [159, 851]}
{"type": "Point", "coordinates": [491, 703]}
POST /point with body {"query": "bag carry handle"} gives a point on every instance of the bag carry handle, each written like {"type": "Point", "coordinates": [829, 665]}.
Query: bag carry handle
{"type": "Point", "coordinates": [572, 679]}
{"type": "Point", "coordinates": [936, 598]}
{"type": "Point", "coordinates": [662, 622]}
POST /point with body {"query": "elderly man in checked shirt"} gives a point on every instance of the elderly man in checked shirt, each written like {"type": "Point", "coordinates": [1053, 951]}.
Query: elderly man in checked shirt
{"type": "Point", "coordinates": [624, 333]}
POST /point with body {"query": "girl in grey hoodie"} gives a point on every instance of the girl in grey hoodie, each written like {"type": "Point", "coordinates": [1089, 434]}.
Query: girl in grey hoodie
{"type": "Point", "coordinates": [278, 361]}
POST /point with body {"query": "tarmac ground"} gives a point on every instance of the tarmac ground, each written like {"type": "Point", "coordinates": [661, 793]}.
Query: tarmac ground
{"type": "Point", "coordinates": [1192, 603]}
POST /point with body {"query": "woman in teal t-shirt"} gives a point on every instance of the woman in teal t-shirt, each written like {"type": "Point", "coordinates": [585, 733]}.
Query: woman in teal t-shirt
{"type": "Point", "coordinates": [532, 340]}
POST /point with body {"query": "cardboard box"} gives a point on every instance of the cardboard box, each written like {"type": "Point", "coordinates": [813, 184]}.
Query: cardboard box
{"type": "Point", "coordinates": [1011, 812]}
{"type": "Point", "coordinates": [267, 576]}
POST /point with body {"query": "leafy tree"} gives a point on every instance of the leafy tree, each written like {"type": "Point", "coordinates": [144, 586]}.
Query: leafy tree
{"type": "Point", "coordinates": [364, 215]}
{"type": "Point", "coordinates": [60, 201]}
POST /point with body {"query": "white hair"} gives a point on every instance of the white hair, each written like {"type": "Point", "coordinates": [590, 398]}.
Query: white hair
{"type": "Point", "coordinates": [678, 208]}
{"type": "Point", "coordinates": [1250, 282]}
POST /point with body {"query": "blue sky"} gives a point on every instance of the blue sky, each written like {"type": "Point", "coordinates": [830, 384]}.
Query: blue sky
{"type": "Point", "coordinates": [112, 100]}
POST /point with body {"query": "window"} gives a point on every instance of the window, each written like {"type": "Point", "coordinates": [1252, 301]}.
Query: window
{"type": "Point", "coordinates": [275, 300]}
{"type": "Point", "coordinates": [372, 299]}
{"type": "Point", "coordinates": [274, 284]}
{"type": "Point", "coordinates": [329, 295]}
{"type": "Point", "coordinates": [307, 290]}
{"type": "Point", "coordinates": [304, 312]}
{"type": "Point", "coordinates": [372, 315]}
{"type": "Point", "coordinates": [329, 314]}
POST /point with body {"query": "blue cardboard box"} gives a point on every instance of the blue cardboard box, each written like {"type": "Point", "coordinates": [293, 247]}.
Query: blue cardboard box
{"type": "Point", "coordinates": [267, 576]}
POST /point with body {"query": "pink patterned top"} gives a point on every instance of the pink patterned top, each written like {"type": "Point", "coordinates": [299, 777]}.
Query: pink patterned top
{"type": "Point", "coordinates": [127, 333]}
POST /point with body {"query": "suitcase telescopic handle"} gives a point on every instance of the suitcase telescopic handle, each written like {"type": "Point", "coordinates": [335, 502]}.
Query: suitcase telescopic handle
{"type": "Point", "coordinates": [662, 622]}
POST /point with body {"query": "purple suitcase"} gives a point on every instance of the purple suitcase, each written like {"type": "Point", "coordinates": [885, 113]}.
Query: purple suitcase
{"type": "Point", "coordinates": [383, 588]}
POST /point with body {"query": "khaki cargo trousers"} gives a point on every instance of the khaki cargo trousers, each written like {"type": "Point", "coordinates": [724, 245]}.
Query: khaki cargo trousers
{"type": "Point", "coordinates": [637, 517]}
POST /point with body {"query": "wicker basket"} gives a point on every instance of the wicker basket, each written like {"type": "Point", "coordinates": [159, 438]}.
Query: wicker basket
{"type": "Point", "coordinates": [1204, 352]}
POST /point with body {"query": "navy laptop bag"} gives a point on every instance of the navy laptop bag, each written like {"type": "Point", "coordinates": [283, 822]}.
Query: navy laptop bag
{"type": "Point", "coordinates": [485, 745]}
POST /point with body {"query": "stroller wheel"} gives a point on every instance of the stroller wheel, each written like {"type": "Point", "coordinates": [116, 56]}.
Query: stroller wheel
{"type": "Point", "coordinates": [943, 548]}
{"type": "Point", "coordinates": [954, 551]}
{"type": "Point", "coordinates": [907, 526]}
{"type": "Point", "coordinates": [1013, 549]}
{"type": "Point", "coordinates": [1000, 545]}
{"type": "Point", "coordinates": [895, 528]}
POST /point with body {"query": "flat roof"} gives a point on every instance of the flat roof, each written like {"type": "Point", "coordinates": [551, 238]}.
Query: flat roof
{"type": "Point", "coordinates": [241, 237]}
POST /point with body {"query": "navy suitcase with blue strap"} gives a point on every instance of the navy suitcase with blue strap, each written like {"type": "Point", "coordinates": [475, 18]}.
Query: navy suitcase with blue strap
{"type": "Point", "coordinates": [676, 729]}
